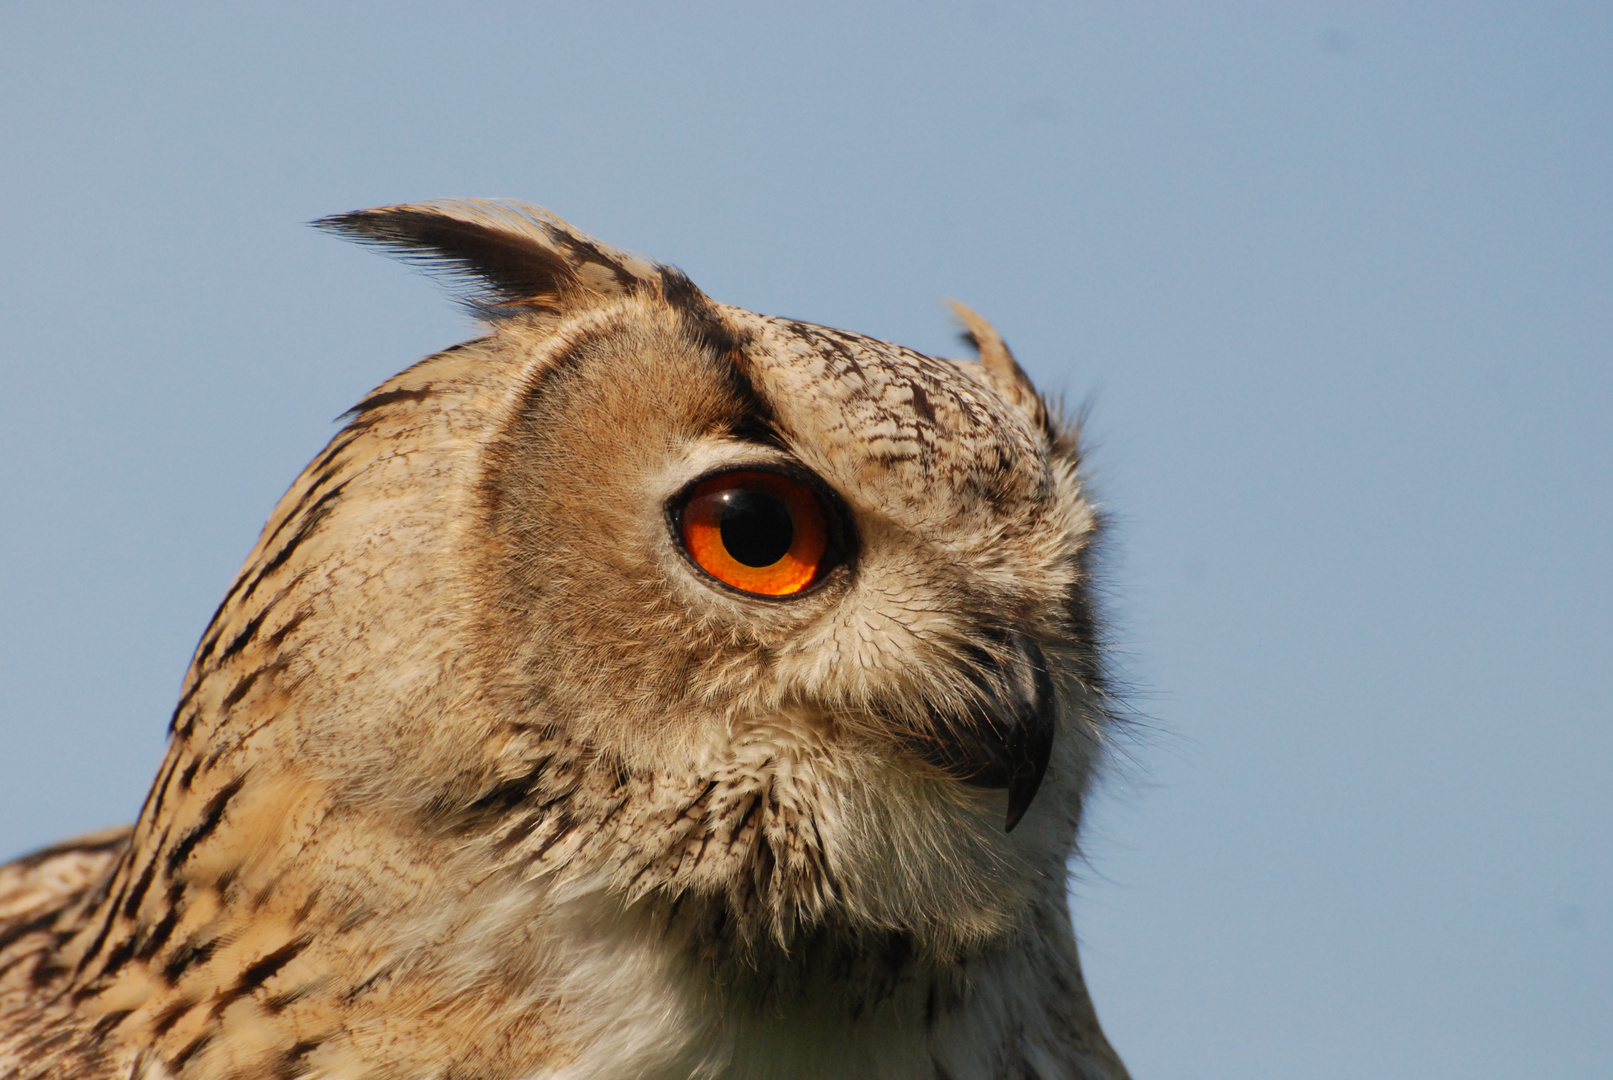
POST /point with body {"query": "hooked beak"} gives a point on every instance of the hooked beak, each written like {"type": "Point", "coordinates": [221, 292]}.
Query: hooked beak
{"type": "Point", "coordinates": [1005, 737]}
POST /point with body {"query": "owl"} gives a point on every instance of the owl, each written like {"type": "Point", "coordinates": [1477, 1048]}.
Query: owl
{"type": "Point", "coordinates": [647, 689]}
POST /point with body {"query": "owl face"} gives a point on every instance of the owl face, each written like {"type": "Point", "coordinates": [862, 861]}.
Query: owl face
{"type": "Point", "coordinates": [741, 608]}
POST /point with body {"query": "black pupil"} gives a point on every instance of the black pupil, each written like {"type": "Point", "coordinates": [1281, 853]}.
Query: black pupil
{"type": "Point", "coordinates": [756, 527]}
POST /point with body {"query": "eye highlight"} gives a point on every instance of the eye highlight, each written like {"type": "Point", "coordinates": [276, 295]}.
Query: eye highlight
{"type": "Point", "coordinates": [760, 532]}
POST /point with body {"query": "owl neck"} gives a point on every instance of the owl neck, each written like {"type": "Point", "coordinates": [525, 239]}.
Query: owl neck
{"type": "Point", "coordinates": [251, 912]}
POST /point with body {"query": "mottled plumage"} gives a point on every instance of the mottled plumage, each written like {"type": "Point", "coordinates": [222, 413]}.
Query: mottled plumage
{"type": "Point", "coordinates": [479, 773]}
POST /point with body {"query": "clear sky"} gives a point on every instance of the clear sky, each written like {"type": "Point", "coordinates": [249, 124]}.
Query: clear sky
{"type": "Point", "coordinates": [1336, 281]}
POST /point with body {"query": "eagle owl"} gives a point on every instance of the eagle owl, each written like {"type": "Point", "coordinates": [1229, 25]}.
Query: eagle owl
{"type": "Point", "coordinates": [645, 689]}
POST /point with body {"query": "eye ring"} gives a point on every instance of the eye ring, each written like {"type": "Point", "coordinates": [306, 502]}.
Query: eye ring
{"type": "Point", "coordinates": [763, 533]}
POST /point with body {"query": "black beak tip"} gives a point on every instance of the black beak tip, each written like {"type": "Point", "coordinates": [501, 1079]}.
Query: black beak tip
{"type": "Point", "coordinates": [1021, 793]}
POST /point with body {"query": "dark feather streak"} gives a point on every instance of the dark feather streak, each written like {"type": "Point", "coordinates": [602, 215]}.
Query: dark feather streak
{"type": "Point", "coordinates": [211, 817]}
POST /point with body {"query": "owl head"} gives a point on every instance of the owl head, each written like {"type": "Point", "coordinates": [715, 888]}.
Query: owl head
{"type": "Point", "coordinates": [644, 594]}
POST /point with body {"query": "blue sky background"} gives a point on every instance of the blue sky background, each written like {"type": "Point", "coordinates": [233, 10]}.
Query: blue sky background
{"type": "Point", "coordinates": [1336, 279]}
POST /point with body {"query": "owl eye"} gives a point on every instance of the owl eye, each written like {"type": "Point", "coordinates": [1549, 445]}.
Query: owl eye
{"type": "Point", "coordinates": [761, 532]}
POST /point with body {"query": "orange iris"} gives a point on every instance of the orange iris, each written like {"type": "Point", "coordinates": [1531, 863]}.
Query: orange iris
{"type": "Point", "coordinates": [757, 531]}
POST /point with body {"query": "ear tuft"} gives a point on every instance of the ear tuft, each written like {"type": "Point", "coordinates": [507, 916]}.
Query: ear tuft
{"type": "Point", "coordinates": [1005, 371]}
{"type": "Point", "coordinates": [501, 256]}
